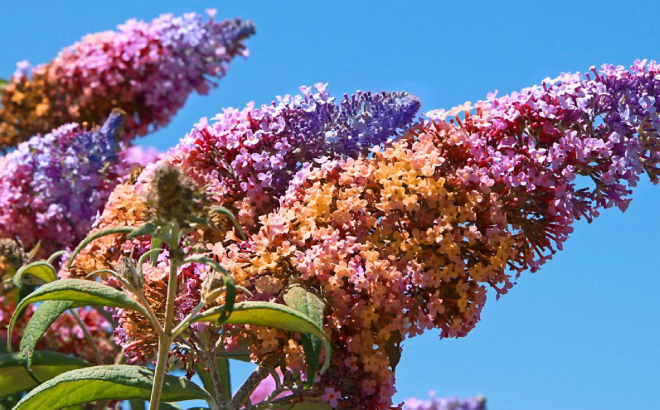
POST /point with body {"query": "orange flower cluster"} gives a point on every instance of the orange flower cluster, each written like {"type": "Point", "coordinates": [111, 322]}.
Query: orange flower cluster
{"type": "Point", "coordinates": [26, 103]}
{"type": "Point", "coordinates": [394, 243]}
{"type": "Point", "coordinates": [125, 207]}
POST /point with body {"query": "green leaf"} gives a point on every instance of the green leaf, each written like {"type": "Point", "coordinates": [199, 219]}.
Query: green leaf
{"type": "Point", "coordinates": [96, 235]}
{"type": "Point", "coordinates": [204, 376]}
{"type": "Point", "coordinates": [272, 315]}
{"type": "Point", "coordinates": [34, 251]}
{"type": "Point", "coordinates": [312, 347]}
{"type": "Point", "coordinates": [311, 306]}
{"type": "Point", "coordinates": [155, 243]}
{"type": "Point", "coordinates": [107, 383]}
{"type": "Point", "coordinates": [82, 292]}
{"type": "Point", "coordinates": [41, 270]}
{"type": "Point", "coordinates": [45, 315]}
{"type": "Point", "coordinates": [45, 365]}
{"type": "Point", "coordinates": [137, 404]}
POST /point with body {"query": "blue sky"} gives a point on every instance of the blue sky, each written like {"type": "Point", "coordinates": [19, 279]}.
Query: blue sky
{"type": "Point", "coordinates": [580, 334]}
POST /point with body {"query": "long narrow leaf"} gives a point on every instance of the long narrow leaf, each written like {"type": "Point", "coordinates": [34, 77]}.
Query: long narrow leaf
{"type": "Point", "coordinates": [45, 315]}
{"type": "Point", "coordinates": [41, 270]}
{"type": "Point", "coordinates": [118, 382]}
{"type": "Point", "coordinates": [82, 292]}
{"type": "Point", "coordinates": [312, 306]}
{"type": "Point", "coordinates": [45, 365]}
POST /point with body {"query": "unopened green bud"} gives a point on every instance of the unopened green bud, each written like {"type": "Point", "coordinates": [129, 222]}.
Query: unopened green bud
{"type": "Point", "coordinates": [174, 198]}
{"type": "Point", "coordinates": [130, 273]}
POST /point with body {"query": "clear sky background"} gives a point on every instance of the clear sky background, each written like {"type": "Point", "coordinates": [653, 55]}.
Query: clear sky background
{"type": "Point", "coordinates": [583, 333]}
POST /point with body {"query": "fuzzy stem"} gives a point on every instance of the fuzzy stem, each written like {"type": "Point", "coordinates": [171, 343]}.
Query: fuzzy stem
{"type": "Point", "coordinates": [88, 336]}
{"type": "Point", "coordinates": [165, 339]}
{"type": "Point", "coordinates": [164, 343]}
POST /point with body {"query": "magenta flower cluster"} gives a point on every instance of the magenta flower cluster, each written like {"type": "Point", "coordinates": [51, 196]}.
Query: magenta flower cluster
{"type": "Point", "coordinates": [562, 150]}
{"type": "Point", "coordinates": [163, 61]}
{"type": "Point", "coordinates": [146, 69]}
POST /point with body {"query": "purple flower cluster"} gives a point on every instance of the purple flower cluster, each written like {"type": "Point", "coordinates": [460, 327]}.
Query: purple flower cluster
{"type": "Point", "coordinates": [475, 403]}
{"type": "Point", "coordinates": [249, 156]}
{"type": "Point", "coordinates": [52, 186]}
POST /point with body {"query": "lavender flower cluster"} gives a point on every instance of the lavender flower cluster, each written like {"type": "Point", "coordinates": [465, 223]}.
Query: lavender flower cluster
{"type": "Point", "coordinates": [52, 186]}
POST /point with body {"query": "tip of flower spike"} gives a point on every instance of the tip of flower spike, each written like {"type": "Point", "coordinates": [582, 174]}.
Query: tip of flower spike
{"type": "Point", "coordinates": [408, 103]}
{"type": "Point", "coordinates": [115, 123]}
{"type": "Point", "coordinates": [244, 28]}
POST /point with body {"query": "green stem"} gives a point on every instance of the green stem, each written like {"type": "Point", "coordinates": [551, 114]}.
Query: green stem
{"type": "Point", "coordinates": [88, 336]}
{"type": "Point", "coordinates": [165, 338]}
{"type": "Point", "coordinates": [260, 373]}
{"type": "Point", "coordinates": [164, 343]}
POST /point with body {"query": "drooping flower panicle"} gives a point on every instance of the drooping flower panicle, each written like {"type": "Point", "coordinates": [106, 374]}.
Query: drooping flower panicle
{"type": "Point", "coordinates": [409, 238]}
{"type": "Point", "coordinates": [52, 186]}
{"type": "Point", "coordinates": [402, 232]}
{"type": "Point", "coordinates": [146, 69]}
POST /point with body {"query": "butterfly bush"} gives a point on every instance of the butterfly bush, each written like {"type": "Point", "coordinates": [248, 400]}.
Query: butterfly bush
{"type": "Point", "coordinates": [434, 403]}
{"type": "Point", "coordinates": [246, 158]}
{"type": "Point", "coordinates": [410, 237]}
{"type": "Point", "coordinates": [146, 69]}
{"type": "Point", "coordinates": [558, 152]}
{"type": "Point", "coordinates": [52, 186]}
{"type": "Point", "coordinates": [404, 236]}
